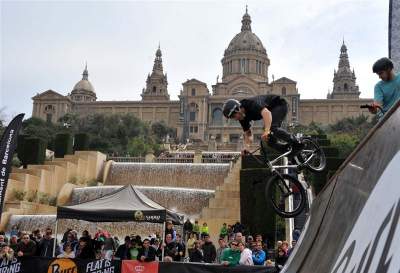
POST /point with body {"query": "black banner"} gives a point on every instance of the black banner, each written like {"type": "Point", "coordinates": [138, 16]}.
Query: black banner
{"type": "Point", "coordinates": [8, 145]}
{"type": "Point", "coordinates": [211, 268]}
{"type": "Point", "coordinates": [61, 265]}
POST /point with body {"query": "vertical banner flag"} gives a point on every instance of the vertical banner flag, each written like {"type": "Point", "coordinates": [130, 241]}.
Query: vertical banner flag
{"type": "Point", "coordinates": [394, 33]}
{"type": "Point", "coordinates": [7, 147]}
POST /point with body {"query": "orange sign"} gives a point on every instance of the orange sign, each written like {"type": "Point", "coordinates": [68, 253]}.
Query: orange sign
{"type": "Point", "coordinates": [62, 265]}
{"type": "Point", "coordinates": [138, 267]}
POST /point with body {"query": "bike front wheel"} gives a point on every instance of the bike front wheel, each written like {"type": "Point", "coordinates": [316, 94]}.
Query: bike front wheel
{"type": "Point", "coordinates": [312, 156]}
{"type": "Point", "coordinates": [286, 195]}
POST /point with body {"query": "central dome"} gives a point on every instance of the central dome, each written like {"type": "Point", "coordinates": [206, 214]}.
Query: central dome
{"type": "Point", "coordinates": [246, 39]}
{"type": "Point", "coordinates": [83, 85]}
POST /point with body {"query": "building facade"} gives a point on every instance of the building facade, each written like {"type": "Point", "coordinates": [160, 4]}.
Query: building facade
{"type": "Point", "coordinates": [197, 115]}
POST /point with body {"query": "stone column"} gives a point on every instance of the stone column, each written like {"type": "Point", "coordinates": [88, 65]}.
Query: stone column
{"type": "Point", "coordinates": [212, 144]}
{"type": "Point", "coordinates": [149, 158]}
{"type": "Point", "coordinates": [197, 156]}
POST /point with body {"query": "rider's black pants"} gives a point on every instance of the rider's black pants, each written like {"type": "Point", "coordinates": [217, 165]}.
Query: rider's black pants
{"type": "Point", "coordinates": [279, 113]}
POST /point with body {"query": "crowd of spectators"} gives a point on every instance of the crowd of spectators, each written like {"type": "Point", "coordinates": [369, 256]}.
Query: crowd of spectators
{"type": "Point", "coordinates": [194, 246]}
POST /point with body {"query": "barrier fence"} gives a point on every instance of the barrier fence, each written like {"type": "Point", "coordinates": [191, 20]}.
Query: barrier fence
{"type": "Point", "coordinates": [62, 265]}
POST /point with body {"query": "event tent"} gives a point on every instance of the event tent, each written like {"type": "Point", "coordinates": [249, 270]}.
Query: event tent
{"type": "Point", "coordinates": [123, 205]}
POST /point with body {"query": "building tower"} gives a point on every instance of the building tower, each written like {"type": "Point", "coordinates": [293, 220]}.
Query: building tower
{"type": "Point", "coordinates": [156, 83]}
{"type": "Point", "coordinates": [344, 79]}
{"type": "Point", "coordinates": [83, 90]}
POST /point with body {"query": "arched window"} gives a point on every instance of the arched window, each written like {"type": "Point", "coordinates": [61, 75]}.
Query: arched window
{"type": "Point", "coordinates": [242, 65]}
{"type": "Point", "coordinates": [154, 89]}
{"type": "Point", "coordinates": [283, 91]}
{"type": "Point", "coordinates": [345, 87]}
{"type": "Point", "coordinates": [217, 116]}
{"type": "Point", "coordinates": [193, 109]}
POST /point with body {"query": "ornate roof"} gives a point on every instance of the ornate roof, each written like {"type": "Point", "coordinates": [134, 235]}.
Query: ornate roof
{"type": "Point", "coordinates": [246, 39]}
{"type": "Point", "coordinates": [284, 80]}
{"type": "Point", "coordinates": [84, 84]}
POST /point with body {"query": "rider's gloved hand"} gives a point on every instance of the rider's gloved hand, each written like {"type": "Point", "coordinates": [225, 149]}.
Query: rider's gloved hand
{"type": "Point", "coordinates": [244, 152]}
{"type": "Point", "coordinates": [265, 135]}
{"type": "Point", "coordinates": [373, 109]}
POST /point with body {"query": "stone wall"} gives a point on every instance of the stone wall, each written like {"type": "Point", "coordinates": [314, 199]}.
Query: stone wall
{"type": "Point", "coordinates": [35, 190]}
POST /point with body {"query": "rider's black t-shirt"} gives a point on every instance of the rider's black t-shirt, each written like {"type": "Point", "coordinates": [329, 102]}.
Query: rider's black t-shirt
{"type": "Point", "coordinates": [254, 105]}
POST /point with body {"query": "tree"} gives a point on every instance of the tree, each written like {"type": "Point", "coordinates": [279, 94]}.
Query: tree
{"type": "Point", "coordinates": [161, 130]}
{"type": "Point", "coordinates": [138, 147]}
{"type": "Point", "coordinates": [345, 143]}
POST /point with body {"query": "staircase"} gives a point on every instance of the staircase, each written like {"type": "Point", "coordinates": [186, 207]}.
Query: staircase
{"type": "Point", "coordinates": [224, 207]}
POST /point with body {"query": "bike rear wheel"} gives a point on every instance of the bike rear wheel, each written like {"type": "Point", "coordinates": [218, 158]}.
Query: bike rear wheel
{"type": "Point", "coordinates": [279, 189]}
{"type": "Point", "coordinates": [312, 156]}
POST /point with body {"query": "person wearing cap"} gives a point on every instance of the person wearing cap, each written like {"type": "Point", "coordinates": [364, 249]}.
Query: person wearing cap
{"type": "Point", "coordinates": [249, 242]}
{"type": "Point", "coordinates": [169, 229]}
{"type": "Point", "coordinates": [386, 91]}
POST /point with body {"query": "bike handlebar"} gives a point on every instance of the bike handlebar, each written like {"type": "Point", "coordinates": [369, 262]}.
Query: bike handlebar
{"type": "Point", "coordinates": [370, 106]}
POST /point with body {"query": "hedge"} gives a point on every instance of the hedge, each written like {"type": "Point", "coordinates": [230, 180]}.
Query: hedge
{"type": "Point", "coordinates": [63, 145]}
{"type": "Point", "coordinates": [81, 142]}
{"type": "Point", "coordinates": [31, 150]}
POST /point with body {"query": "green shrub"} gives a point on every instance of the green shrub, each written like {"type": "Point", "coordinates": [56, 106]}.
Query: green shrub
{"type": "Point", "coordinates": [43, 198]}
{"type": "Point", "coordinates": [63, 145]}
{"type": "Point", "coordinates": [52, 201]}
{"type": "Point", "coordinates": [81, 142]}
{"type": "Point", "coordinates": [32, 151]}
{"type": "Point", "coordinates": [73, 180]}
{"type": "Point", "coordinates": [92, 183]}
{"type": "Point", "coordinates": [31, 196]}
{"type": "Point", "coordinates": [345, 143]}
{"type": "Point", "coordinates": [19, 194]}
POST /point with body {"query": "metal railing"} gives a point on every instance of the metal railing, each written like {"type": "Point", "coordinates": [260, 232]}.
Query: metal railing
{"type": "Point", "coordinates": [127, 159]}
{"type": "Point", "coordinates": [173, 160]}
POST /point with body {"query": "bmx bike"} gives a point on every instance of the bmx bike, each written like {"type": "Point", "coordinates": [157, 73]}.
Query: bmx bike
{"type": "Point", "coordinates": [281, 186]}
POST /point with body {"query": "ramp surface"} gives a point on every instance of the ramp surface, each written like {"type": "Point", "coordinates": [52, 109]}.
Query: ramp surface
{"type": "Point", "coordinates": [354, 222]}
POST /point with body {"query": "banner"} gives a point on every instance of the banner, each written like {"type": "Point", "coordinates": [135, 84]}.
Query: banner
{"type": "Point", "coordinates": [62, 265]}
{"type": "Point", "coordinates": [8, 145]}
{"type": "Point", "coordinates": [394, 33]}
{"type": "Point", "coordinates": [138, 267]}
{"type": "Point", "coordinates": [211, 268]}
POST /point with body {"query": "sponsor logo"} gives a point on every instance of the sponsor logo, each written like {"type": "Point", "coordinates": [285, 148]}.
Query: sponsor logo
{"type": "Point", "coordinates": [139, 268]}
{"type": "Point", "coordinates": [372, 246]}
{"type": "Point", "coordinates": [139, 216]}
{"type": "Point", "coordinates": [100, 266]}
{"type": "Point", "coordinates": [62, 266]}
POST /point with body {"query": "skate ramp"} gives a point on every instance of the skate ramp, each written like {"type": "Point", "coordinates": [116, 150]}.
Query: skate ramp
{"type": "Point", "coordinates": [354, 222]}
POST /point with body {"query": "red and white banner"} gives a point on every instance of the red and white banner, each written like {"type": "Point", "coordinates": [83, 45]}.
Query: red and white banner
{"type": "Point", "coordinates": [138, 267]}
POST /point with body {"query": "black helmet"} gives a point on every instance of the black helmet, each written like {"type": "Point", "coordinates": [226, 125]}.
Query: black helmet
{"type": "Point", "coordinates": [382, 64]}
{"type": "Point", "coordinates": [230, 107]}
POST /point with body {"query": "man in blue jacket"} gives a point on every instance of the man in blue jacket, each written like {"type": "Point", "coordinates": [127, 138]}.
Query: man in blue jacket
{"type": "Point", "coordinates": [387, 91]}
{"type": "Point", "coordinates": [259, 255]}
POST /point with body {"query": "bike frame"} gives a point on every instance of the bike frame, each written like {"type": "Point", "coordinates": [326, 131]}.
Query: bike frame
{"type": "Point", "coordinates": [270, 163]}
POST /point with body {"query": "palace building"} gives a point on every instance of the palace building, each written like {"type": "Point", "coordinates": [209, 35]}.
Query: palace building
{"type": "Point", "coordinates": [197, 114]}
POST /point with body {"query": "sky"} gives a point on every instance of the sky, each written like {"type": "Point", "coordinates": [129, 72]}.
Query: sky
{"type": "Point", "coordinates": [45, 44]}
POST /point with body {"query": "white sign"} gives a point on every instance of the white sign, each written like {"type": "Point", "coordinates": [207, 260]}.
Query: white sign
{"type": "Point", "coordinates": [374, 243]}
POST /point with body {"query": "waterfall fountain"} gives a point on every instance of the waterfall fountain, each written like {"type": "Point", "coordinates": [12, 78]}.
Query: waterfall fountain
{"type": "Point", "coordinates": [182, 175]}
